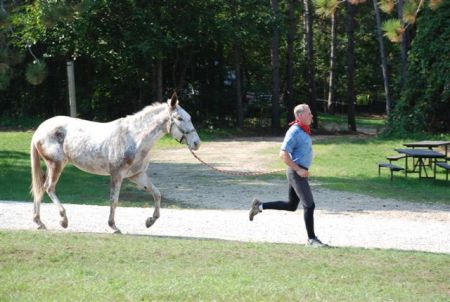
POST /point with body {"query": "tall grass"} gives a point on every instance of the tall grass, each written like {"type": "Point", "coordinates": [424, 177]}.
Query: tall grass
{"type": "Point", "coordinates": [44, 266]}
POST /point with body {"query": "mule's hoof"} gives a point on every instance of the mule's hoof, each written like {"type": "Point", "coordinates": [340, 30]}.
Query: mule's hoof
{"type": "Point", "coordinates": [117, 232]}
{"type": "Point", "coordinates": [149, 222]}
{"type": "Point", "coordinates": [64, 223]}
{"type": "Point", "coordinates": [42, 227]}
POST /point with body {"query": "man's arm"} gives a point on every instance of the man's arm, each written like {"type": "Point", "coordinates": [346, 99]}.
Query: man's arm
{"type": "Point", "coordinates": [288, 161]}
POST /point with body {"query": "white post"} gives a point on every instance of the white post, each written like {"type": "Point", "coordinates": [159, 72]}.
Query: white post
{"type": "Point", "coordinates": [71, 83]}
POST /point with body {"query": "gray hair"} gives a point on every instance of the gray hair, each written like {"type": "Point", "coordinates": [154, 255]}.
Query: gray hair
{"type": "Point", "coordinates": [299, 109]}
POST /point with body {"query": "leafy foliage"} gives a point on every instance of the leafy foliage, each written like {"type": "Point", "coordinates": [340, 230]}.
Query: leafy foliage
{"type": "Point", "coordinates": [5, 76]}
{"type": "Point", "coordinates": [393, 30]}
{"type": "Point", "coordinates": [387, 6]}
{"type": "Point", "coordinates": [410, 9]}
{"type": "Point", "coordinates": [326, 7]}
{"type": "Point", "coordinates": [36, 73]}
{"type": "Point", "coordinates": [117, 46]}
{"type": "Point", "coordinates": [425, 102]}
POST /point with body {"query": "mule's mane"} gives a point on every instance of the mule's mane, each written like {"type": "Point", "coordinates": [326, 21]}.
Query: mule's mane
{"type": "Point", "coordinates": [152, 109]}
{"type": "Point", "coordinates": [148, 114]}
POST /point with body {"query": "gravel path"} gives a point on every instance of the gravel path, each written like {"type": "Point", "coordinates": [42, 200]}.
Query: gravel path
{"type": "Point", "coordinates": [220, 207]}
{"type": "Point", "coordinates": [336, 229]}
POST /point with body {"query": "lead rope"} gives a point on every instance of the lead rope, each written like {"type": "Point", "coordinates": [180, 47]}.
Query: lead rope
{"type": "Point", "coordinates": [235, 173]}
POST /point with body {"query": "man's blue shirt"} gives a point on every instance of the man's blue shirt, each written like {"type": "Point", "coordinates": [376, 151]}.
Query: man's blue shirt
{"type": "Point", "coordinates": [299, 146]}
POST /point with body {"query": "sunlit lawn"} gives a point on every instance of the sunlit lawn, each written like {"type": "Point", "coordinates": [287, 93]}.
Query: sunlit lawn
{"type": "Point", "coordinates": [341, 162]}
{"type": "Point", "coordinates": [46, 266]}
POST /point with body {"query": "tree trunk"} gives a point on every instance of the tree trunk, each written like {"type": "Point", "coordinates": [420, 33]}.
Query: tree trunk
{"type": "Point", "coordinates": [237, 68]}
{"type": "Point", "coordinates": [290, 61]}
{"type": "Point", "coordinates": [310, 61]}
{"type": "Point", "coordinates": [186, 63]}
{"type": "Point", "coordinates": [331, 83]}
{"type": "Point", "coordinates": [383, 57]}
{"type": "Point", "coordinates": [157, 81]}
{"type": "Point", "coordinates": [351, 99]}
{"type": "Point", "coordinates": [275, 67]}
{"type": "Point", "coordinates": [403, 46]}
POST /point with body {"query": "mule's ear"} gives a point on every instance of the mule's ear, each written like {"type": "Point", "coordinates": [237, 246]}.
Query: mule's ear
{"type": "Point", "coordinates": [173, 100]}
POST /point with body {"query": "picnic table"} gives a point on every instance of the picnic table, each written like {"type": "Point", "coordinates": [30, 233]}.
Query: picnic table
{"type": "Point", "coordinates": [430, 145]}
{"type": "Point", "coordinates": [420, 155]}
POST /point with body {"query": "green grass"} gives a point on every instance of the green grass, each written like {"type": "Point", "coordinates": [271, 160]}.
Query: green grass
{"type": "Point", "coordinates": [350, 164]}
{"type": "Point", "coordinates": [361, 121]}
{"type": "Point", "coordinates": [45, 266]}
{"type": "Point", "coordinates": [74, 185]}
{"type": "Point", "coordinates": [342, 163]}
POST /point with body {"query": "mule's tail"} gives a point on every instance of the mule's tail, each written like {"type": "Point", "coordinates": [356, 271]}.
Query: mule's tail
{"type": "Point", "coordinates": [37, 175]}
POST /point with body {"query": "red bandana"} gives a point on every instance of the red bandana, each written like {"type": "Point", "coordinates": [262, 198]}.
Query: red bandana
{"type": "Point", "coordinates": [305, 128]}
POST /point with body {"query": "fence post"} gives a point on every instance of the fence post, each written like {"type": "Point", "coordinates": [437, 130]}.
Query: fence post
{"type": "Point", "coordinates": [71, 83]}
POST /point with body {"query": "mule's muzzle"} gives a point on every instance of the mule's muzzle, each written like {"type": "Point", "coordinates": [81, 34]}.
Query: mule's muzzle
{"type": "Point", "coordinates": [196, 145]}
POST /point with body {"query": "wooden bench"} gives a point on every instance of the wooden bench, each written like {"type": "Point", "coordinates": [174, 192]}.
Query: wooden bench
{"type": "Point", "coordinates": [445, 166]}
{"type": "Point", "coordinates": [393, 168]}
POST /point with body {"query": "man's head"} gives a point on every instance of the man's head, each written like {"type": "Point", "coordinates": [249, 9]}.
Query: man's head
{"type": "Point", "coordinates": [303, 114]}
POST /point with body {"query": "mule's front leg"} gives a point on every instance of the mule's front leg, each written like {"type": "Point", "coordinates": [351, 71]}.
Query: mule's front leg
{"type": "Point", "coordinates": [116, 183]}
{"type": "Point", "coordinates": [143, 181]}
{"type": "Point", "coordinates": [157, 197]}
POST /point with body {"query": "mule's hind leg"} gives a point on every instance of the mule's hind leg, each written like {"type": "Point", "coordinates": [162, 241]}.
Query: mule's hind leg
{"type": "Point", "coordinates": [54, 170]}
{"type": "Point", "coordinates": [116, 183]}
{"type": "Point", "coordinates": [143, 181]}
{"type": "Point", "coordinates": [36, 214]}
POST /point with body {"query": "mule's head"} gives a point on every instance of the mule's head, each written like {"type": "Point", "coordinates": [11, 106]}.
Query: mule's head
{"type": "Point", "coordinates": [181, 127]}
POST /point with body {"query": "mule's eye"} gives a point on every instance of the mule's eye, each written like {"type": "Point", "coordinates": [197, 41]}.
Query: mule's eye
{"type": "Point", "coordinates": [179, 118]}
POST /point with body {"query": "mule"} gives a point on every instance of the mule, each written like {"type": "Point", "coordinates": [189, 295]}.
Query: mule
{"type": "Point", "coordinates": [120, 149]}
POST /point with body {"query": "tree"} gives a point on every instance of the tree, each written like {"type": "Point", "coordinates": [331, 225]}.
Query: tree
{"type": "Point", "coordinates": [237, 49]}
{"type": "Point", "coordinates": [310, 61]}
{"type": "Point", "coordinates": [399, 30]}
{"type": "Point", "coordinates": [425, 101]}
{"type": "Point", "coordinates": [382, 57]}
{"type": "Point", "coordinates": [328, 8]}
{"type": "Point", "coordinates": [275, 60]}
{"type": "Point", "coordinates": [351, 98]}
{"type": "Point", "coordinates": [289, 98]}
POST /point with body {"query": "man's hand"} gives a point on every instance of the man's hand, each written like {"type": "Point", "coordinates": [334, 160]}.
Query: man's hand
{"type": "Point", "coordinates": [302, 172]}
{"type": "Point", "coordinates": [288, 161]}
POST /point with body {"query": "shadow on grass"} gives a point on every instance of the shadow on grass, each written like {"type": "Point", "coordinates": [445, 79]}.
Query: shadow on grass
{"type": "Point", "coordinates": [13, 155]}
{"type": "Point", "coordinates": [196, 186]}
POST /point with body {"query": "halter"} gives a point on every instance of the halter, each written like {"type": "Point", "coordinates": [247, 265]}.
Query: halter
{"type": "Point", "coordinates": [184, 133]}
